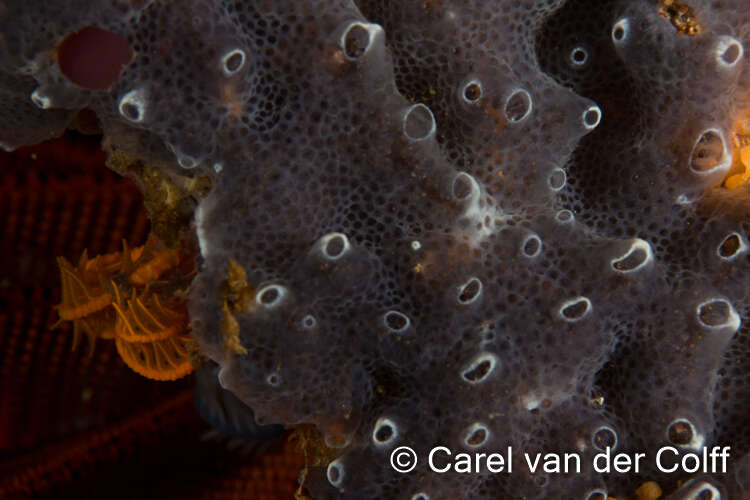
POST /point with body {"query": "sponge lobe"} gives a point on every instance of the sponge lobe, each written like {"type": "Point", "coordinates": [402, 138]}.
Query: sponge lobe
{"type": "Point", "coordinates": [470, 224]}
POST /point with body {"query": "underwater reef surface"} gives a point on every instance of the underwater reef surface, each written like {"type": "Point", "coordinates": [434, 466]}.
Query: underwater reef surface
{"type": "Point", "coordinates": [479, 225]}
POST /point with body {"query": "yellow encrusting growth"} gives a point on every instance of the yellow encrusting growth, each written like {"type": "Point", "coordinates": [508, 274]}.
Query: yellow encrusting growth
{"type": "Point", "coordinates": [238, 298]}
{"type": "Point", "coordinates": [169, 197]}
{"type": "Point", "coordinates": [739, 173]}
{"type": "Point", "coordinates": [648, 491]}
{"type": "Point", "coordinates": [311, 443]}
{"type": "Point", "coordinates": [737, 180]}
{"type": "Point", "coordinates": [230, 330]}
{"type": "Point", "coordinates": [239, 294]}
{"type": "Point", "coordinates": [681, 15]}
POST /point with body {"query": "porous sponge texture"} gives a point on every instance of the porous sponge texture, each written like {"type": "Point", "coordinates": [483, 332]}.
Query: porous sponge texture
{"type": "Point", "coordinates": [469, 224]}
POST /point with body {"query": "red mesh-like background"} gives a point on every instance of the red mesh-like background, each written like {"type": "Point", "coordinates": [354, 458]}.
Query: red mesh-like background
{"type": "Point", "coordinates": [78, 427]}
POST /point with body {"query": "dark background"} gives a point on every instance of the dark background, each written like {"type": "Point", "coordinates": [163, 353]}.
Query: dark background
{"type": "Point", "coordinates": [74, 426]}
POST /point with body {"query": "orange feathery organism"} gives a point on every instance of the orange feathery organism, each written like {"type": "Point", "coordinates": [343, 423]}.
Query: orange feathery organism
{"type": "Point", "coordinates": [80, 294]}
{"type": "Point", "coordinates": [147, 320]}
{"type": "Point", "coordinates": [150, 328]}
{"type": "Point", "coordinates": [84, 302]}
{"type": "Point", "coordinates": [153, 268]}
{"type": "Point", "coordinates": [166, 359]}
